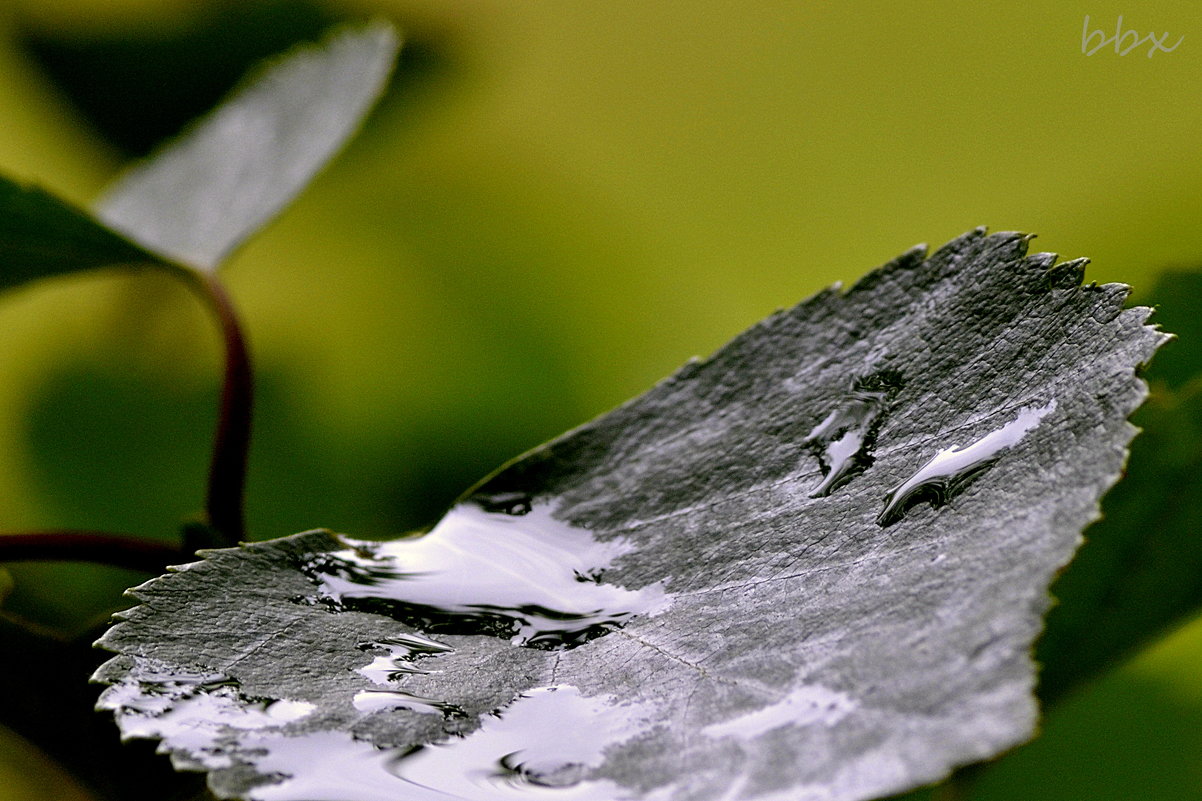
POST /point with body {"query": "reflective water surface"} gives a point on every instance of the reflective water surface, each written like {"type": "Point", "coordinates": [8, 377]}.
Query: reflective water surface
{"type": "Point", "coordinates": [506, 569]}
{"type": "Point", "coordinates": [204, 715]}
{"type": "Point", "coordinates": [545, 742]}
{"type": "Point", "coordinates": [843, 440]}
{"type": "Point", "coordinates": [377, 700]}
{"type": "Point", "coordinates": [952, 468]}
{"type": "Point", "coordinates": [541, 745]}
{"type": "Point", "coordinates": [501, 566]}
{"type": "Point", "coordinates": [401, 656]}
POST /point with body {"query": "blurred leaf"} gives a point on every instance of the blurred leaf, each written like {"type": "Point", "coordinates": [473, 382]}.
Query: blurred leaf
{"type": "Point", "coordinates": [25, 773]}
{"type": "Point", "coordinates": [41, 236]}
{"type": "Point", "coordinates": [6, 585]}
{"type": "Point", "coordinates": [67, 597]}
{"type": "Point", "coordinates": [140, 85]}
{"type": "Point", "coordinates": [752, 621]}
{"type": "Point", "coordinates": [1140, 572]}
{"type": "Point", "coordinates": [1178, 301]}
{"type": "Point", "coordinates": [1133, 735]}
{"type": "Point", "coordinates": [59, 719]}
{"type": "Point", "coordinates": [128, 451]}
{"type": "Point", "coordinates": [117, 449]}
{"type": "Point", "coordinates": [229, 175]}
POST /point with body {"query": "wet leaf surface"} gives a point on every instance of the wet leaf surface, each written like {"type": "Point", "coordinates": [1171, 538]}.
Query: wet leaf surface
{"type": "Point", "coordinates": [236, 169]}
{"type": "Point", "coordinates": [672, 601]}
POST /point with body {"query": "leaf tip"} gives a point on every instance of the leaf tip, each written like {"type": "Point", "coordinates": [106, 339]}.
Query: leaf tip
{"type": "Point", "coordinates": [1066, 275]}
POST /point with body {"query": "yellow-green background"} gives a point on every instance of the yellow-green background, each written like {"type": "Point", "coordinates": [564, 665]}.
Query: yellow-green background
{"type": "Point", "coordinates": [581, 196]}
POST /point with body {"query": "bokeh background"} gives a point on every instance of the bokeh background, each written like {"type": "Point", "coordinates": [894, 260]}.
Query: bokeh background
{"type": "Point", "coordinates": [555, 205]}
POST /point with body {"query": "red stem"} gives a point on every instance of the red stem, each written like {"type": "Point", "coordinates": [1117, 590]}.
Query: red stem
{"type": "Point", "coordinates": [227, 470]}
{"type": "Point", "coordinates": [116, 550]}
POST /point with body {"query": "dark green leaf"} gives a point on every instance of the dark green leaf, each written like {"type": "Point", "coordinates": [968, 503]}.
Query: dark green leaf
{"type": "Point", "coordinates": [660, 604]}
{"type": "Point", "coordinates": [35, 659]}
{"type": "Point", "coordinates": [233, 172]}
{"type": "Point", "coordinates": [1140, 571]}
{"type": "Point", "coordinates": [139, 84]}
{"type": "Point", "coordinates": [41, 236]}
{"type": "Point", "coordinates": [1178, 301]}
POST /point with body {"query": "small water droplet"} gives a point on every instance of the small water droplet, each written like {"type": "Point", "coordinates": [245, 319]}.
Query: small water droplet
{"type": "Point", "coordinates": [403, 651]}
{"type": "Point", "coordinates": [509, 503]}
{"type": "Point", "coordinates": [378, 700]}
{"type": "Point", "coordinates": [951, 469]}
{"type": "Point", "coordinates": [527, 577]}
{"type": "Point", "coordinates": [843, 440]}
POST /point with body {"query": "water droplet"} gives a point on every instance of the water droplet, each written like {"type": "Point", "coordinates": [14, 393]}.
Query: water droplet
{"type": "Point", "coordinates": [378, 700]}
{"type": "Point", "coordinates": [952, 468]}
{"type": "Point", "coordinates": [403, 651]}
{"type": "Point", "coordinates": [843, 439]}
{"type": "Point", "coordinates": [509, 503]}
{"type": "Point", "coordinates": [527, 577]}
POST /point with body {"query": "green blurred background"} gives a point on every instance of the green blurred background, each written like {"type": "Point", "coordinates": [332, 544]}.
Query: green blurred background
{"type": "Point", "coordinates": [555, 205]}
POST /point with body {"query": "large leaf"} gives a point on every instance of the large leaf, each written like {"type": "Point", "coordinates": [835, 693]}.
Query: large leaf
{"type": "Point", "coordinates": [41, 236]}
{"type": "Point", "coordinates": [739, 585]}
{"type": "Point", "coordinates": [236, 169]}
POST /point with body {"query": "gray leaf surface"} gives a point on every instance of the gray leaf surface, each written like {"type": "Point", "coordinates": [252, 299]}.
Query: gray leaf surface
{"type": "Point", "coordinates": [672, 601]}
{"type": "Point", "coordinates": [236, 169]}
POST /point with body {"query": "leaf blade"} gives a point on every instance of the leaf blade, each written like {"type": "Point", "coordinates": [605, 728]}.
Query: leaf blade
{"type": "Point", "coordinates": [237, 168]}
{"type": "Point", "coordinates": [798, 632]}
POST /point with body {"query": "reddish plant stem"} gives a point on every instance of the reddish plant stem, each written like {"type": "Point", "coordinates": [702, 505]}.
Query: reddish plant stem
{"type": "Point", "coordinates": [231, 444]}
{"type": "Point", "coordinates": [227, 469]}
{"type": "Point", "coordinates": [115, 550]}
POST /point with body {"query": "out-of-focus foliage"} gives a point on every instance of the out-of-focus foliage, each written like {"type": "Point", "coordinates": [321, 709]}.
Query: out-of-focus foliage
{"type": "Point", "coordinates": [1178, 300]}
{"type": "Point", "coordinates": [1141, 568]}
{"type": "Point", "coordinates": [140, 90]}
{"type": "Point", "coordinates": [232, 171]}
{"type": "Point", "coordinates": [42, 237]}
{"type": "Point", "coordinates": [25, 775]}
{"type": "Point", "coordinates": [557, 205]}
